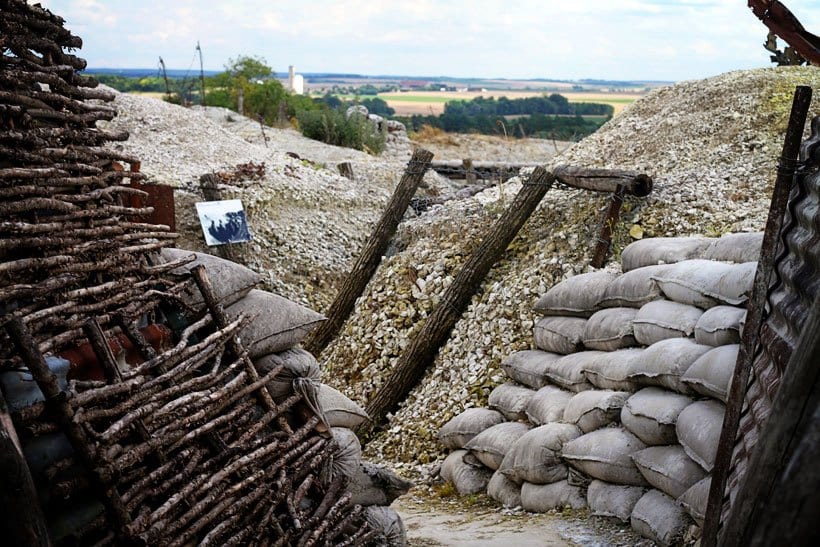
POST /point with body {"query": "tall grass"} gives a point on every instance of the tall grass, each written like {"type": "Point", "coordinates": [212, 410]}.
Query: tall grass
{"type": "Point", "coordinates": [332, 126]}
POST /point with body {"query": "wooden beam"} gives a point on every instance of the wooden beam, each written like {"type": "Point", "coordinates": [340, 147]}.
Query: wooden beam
{"type": "Point", "coordinates": [604, 180]}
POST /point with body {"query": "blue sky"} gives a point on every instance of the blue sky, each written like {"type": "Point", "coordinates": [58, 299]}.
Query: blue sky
{"type": "Point", "coordinates": [560, 39]}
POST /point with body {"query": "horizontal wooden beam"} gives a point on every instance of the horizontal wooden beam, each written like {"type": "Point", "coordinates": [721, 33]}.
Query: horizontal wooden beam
{"type": "Point", "coordinates": [604, 180]}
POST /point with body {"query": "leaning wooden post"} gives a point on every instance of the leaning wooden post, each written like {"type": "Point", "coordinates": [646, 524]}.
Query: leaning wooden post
{"type": "Point", "coordinates": [755, 313]}
{"type": "Point", "coordinates": [412, 364]}
{"type": "Point", "coordinates": [209, 183]}
{"type": "Point", "coordinates": [371, 255]}
{"type": "Point", "coordinates": [613, 214]}
{"type": "Point", "coordinates": [346, 170]}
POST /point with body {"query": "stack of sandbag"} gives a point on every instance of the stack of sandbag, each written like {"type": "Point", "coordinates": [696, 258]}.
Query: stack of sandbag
{"type": "Point", "coordinates": [272, 338]}
{"type": "Point", "coordinates": [620, 404]}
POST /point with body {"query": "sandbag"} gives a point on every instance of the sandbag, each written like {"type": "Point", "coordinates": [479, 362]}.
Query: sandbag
{"type": "Point", "coordinates": [540, 498]}
{"type": "Point", "coordinates": [651, 415]}
{"type": "Point", "coordinates": [610, 329]}
{"type": "Point", "coordinates": [559, 334]}
{"type": "Point", "coordinates": [604, 454]}
{"type": "Point", "coordinates": [656, 516]}
{"type": "Point", "coordinates": [663, 363]}
{"type": "Point", "coordinates": [276, 323]}
{"type": "Point", "coordinates": [662, 250]}
{"type": "Point", "coordinates": [535, 456]}
{"type": "Point", "coordinates": [388, 525]}
{"type": "Point", "coordinates": [698, 430]}
{"type": "Point", "coordinates": [373, 484]}
{"type": "Point", "coordinates": [593, 409]}
{"type": "Point", "coordinates": [712, 373]}
{"type": "Point", "coordinates": [230, 281]}
{"type": "Point", "coordinates": [529, 367]}
{"type": "Point", "coordinates": [706, 284]}
{"type": "Point", "coordinates": [634, 288]}
{"type": "Point", "coordinates": [695, 500]}
{"type": "Point", "coordinates": [491, 445]}
{"type": "Point", "coordinates": [460, 429]}
{"type": "Point", "coordinates": [547, 405]}
{"type": "Point", "coordinates": [504, 491]}
{"type": "Point", "coordinates": [664, 319]}
{"type": "Point", "coordinates": [741, 247]}
{"type": "Point", "coordinates": [668, 469]}
{"type": "Point", "coordinates": [468, 479]}
{"type": "Point", "coordinates": [611, 370]}
{"type": "Point", "coordinates": [613, 500]}
{"type": "Point", "coordinates": [720, 326]}
{"type": "Point", "coordinates": [511, 400]}
{"type": "Point", "coordinates": [338, 409]}
{"type": "Point", "coordinates": [296, 363]}
{"type": "Point", "coordinates": [348, 454]}
{"type": "Point", "coordinates": [577, 296]}
{"type": "Point", "coordinates": [568, 371]}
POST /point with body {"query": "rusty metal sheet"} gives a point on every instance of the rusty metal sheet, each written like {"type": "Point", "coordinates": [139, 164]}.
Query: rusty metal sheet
{"type": "Point", "coordinates": [161, 198]}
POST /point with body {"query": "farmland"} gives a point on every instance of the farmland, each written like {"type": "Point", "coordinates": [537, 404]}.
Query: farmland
{"type": "Point", "coordinates": [432, 102]}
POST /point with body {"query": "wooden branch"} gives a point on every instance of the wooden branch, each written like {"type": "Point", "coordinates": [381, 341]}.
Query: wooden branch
{"type": "Point", "coordinates": [371, 255]}
{"type": "Point", "coordinates": [412, 364]}
{"type": "Point", "coordinates": [604, 180]}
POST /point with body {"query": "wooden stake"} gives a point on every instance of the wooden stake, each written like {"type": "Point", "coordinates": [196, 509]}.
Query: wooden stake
{"type": "Point", "coordinates": [371, 255]}
{"type": "Point", "coordinates": [611, 218]}
{"type": "Point", "coordinates": [413, 363]}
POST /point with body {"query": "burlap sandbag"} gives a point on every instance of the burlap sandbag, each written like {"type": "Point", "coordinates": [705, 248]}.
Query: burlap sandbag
{"type": "Point", "coordinates": [559, 334]}
{"type": "Point", "coordinates": [339, 410]}
{"type": "Point", "coordinates": [577, 296]}
{"type": "Point", "coordinates": [504, 491]}
{"type": "Point", "coordinates": [296, 363]}
{"type": "Point", "coordinates": [663, 363]}
{"type": "Point", "coordinates": [348, 455]}
{"type": "Point", "coordinates": [468, 479]}
{"type": "Point", "coordinates": [611, 370]}
{"type": "Point", "coordinates": [276, 323]}
{"type": "Point", "coordinates": [460, 429]}
{"type": "Point", "coordinates": [373, 484]}
{"type": "Point", "coordinates": [604, 454]}
{"type": "Point", "coordinates": [741, 247]}
{"type": "Point", "coordinates": [613, 500]}
{"type": "Point", "coordinates": [651, 415]}
{"type": "Point", "coordinates": [698, 429]}
{"type": "Point", "coordinates": [610, 329]}
{"type": "Point", "coordinates": [662, 250]}
{"type": "Point", "coordinates": [656, 516]}
{"type": "Point", "coordinates": [230, 281]}
{"type": "Point", "coordinates": [712, 373]}
{"type": "Point", "coordinates": [547, 405]}
{"type": "Point", "coordinates": [388, 525]}
{"type": "Point", "coordinates": [491, 445]}
{"type": "Point", "coordinates": [634, 288]}
{"type": "Point", "coordinates": [720, 326]}
{"type": "Point", "coordinates": [668, 469]}
{"type": "Point", "coordinates": [664, 319]}
{"type": "Point", "coordinates": [568, 371]}
{"type": "Point", "coordinates": [540, 498]}
{"type": "Point", "coordinates": [529, 367]}
{"type": "Point", "coordinates": [593, 409]}
{"type": "Point", "coordinates": [535, 456]}
{"type": "Point", "coordinates": [706, 284]}
{"type": "Point", "coordinates": [695, 499]}
{"type": "Point", "coordinates": [511, 400]}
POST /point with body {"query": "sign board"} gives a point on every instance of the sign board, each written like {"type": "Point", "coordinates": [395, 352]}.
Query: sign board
{"type": "Point", "coordinates": [223, 222]}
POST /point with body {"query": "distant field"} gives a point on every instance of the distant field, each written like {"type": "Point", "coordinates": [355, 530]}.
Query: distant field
{"type": "Point", "coordinates": [432, 102]}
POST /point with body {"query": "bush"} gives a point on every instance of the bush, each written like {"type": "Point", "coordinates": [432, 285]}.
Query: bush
{"type": "Point", "coordinates": [332, 126]}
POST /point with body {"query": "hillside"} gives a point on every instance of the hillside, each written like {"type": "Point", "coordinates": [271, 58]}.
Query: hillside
{"type": "Point", "coordinates": [710, 145]}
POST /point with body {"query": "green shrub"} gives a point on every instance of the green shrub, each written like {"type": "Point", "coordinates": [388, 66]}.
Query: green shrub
{"type": "Point", "coordinates": [332, 126]}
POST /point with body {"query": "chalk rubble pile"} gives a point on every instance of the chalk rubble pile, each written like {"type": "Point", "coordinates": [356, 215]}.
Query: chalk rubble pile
{"type": "Point", "coordinates": [620, 404]}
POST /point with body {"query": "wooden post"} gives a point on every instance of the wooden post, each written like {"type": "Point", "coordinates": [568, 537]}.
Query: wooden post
{"type": "Point", "coordinates": [604, 180]}
{"type": "Point", "coordinates": [611, 217]}
{"type": "Point", "coordinates": [371, 254]}
{"type": "Point", "coordinates": [21, 518]}
{"type": "Point", "coordinates": [209, 183]}
{"type": "Point", "coordinates": [346, 170]}
{"type": "Point", "coordinates": [779, 499]}
{"type": "Point", "coordinates": [469, 170]}
{"type": "Point", "coordinates": [412, 364]}
{"type": "Point", "coordinates": [755, 313]}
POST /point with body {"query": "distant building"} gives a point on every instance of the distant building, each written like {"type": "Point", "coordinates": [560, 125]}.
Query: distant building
{"type": "Point", "coordinates": [296, 82]}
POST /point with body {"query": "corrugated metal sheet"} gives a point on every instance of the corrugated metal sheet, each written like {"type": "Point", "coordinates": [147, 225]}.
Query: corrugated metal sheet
{"type": "Point", "coordinates": [793, 290]}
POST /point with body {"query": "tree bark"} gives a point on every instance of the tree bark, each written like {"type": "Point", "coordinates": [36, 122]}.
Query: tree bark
{"type": "Point", "coordinates": [371, 255]}
{"type": "Point", "coordinates": [413, 363]}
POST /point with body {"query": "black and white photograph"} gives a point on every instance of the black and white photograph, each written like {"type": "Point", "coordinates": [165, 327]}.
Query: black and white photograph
{"type": "Point", "coordinates": [223, 222]}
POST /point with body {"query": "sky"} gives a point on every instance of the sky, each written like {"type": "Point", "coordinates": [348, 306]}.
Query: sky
{"type": "Point", "coordinates": [666, 40]}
